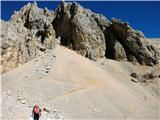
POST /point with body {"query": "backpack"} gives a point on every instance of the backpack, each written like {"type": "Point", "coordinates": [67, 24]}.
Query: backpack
{"type": "Point", "coordinates": [36, 110]}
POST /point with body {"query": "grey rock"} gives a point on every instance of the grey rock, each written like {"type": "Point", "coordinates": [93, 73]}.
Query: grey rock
{"type": "Point", "coordinates": [134, 75]}
{"type": "Point", "coordinates": [102, 21]}
{"type": "Point", "coordinates": [148, 77]}
{"type": "Point", "coordinates": [20, 98]}
{"type": "Point", "coordinates": [47, 109]}
{"type": "Point", "coordinates": [114, 49]}
{"type": "Point", "coordinates": [119, 52]}
{"type": "Point", "coordinates": [33, 31]}
{"type": "Point", "coordinates": [56, 110]}
{"type": "Point", "coordinates": [83, 30]}
{"type": "Point", "coordinates": [33, 17]}
{"type": "Point", "coordinates": [132, 41]}
{"type": "Point", "coordinates": [134, 80]}
{"type": "Point", "coordinates": [5, 45]}
{"type": "Point", "coordinates": [9, 93]}
{"type": "Point", "coordinates": [93, 36]}
{"type": "Point", "coordinates": [48, 67]}
{"type": "Point", "coordinates": [96, 110]}
{"type": "Point", "coordinates": [23, 101]}
{"type": "Point", "coordinates": [27, 35]}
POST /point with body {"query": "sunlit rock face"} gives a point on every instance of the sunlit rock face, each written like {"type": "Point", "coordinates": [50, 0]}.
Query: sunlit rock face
{"type": "Point", "coordinates": [94, 36]}
{"type": "Point", "coordinates": [125, 43]}
{"type": "Point", "coordinates": [81, 30]}
{"type": "Point", "coordinates": [27, 35]}
{"type": "Point", "coordinates": [32, 30]}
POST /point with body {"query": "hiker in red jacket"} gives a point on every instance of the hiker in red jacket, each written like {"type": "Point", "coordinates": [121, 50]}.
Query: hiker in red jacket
{"type": "Point", "coordinates": [36, 112]}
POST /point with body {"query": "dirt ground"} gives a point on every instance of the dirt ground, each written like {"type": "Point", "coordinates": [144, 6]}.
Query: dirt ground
{"type": "Point", "coordinates": [73, 87]}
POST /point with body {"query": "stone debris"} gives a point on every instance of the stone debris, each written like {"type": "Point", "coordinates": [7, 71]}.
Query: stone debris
{"type": "Point", "coordinates": [58, 117]}
{"type": "Point", "coordinates": [96, 110]}
{"type": "Point", "coordinates": [47, 71]}
{"type": "Point", "coordinates": [23, 101]}
{"type": "Point", "coordinates": [46, 109]}
{"type": "Point", "coordinates": [20, 98]}
{"type": "Point", "coordinates": [9, 93]}
{"type": "Point", "coordinates": [134, 75]}
{"type": "Point", "coordinates": [147, 77]}
{"type": "Point", "coordinates": [48, 67]}
{"type": "Point", "coordinates": [56, 110]}
{"type": "Point", "coordinates": [134, 80]}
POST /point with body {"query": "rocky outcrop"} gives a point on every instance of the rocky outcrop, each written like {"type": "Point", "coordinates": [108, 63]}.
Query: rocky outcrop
{"type": "Point", "coordinates": [81, 30]}
{"type": "Point", "coordinates": [32, 17]}
{"type": "Point", "coordinates": [93, 36]}
{"type": "Point", "coordinates": [27, 35]}
{"type": "Point", "coordinates": [32, 30]}
{"type": "Point", "coordinates": [132, 46]}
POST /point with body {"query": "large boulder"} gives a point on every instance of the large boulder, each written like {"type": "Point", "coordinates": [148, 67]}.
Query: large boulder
{"type": "Point", "coordinates": [81, 30]}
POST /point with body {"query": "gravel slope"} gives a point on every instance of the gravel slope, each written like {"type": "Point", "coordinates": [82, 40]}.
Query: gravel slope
{"type": "Point", "coordinates": [73, 87]}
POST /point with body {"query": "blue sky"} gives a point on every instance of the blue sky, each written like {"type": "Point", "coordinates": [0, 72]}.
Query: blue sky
{"type": "Point", "coordinates": [143, 16]}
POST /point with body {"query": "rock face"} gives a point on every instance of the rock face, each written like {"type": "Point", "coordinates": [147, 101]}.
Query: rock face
{"type": "Point", "coordinates": [81, 30]}
{"type": "Point", "coordinates": [122, 42]}
{"type": "Point", "coordinates": [31, 31]}
{"type": "Point", "coordinates": [93, 36]}
{"type": "Point", "coordinates": [27, 35]}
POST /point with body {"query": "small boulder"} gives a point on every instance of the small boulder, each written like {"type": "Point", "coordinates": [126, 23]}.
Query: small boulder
{"type": "Point", "coordinates": [23, 101]}
{"type": "Point", "coordinates": [134, 75]}
{"type": "Point", "coordinates": [9, 93]}
{"type": "Point", "coordinates": [20, 98]}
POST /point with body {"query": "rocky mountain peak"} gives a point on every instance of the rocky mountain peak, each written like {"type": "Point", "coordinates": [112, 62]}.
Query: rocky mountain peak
{"type": "Point", "coordinates": [33, 17]}
{"type": "Point", "coordinates": [32, 30]}
{"type": "Point", "coordinates": [28, 34]}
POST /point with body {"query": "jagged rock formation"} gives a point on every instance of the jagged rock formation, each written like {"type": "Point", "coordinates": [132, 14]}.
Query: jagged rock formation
{"type": "Point", "coordinates": [33, 17]}
{"type": "Point", "coordinates": [81, 30]}
{"type": "Point", "coordinates": [125, 43]}
{"type": "Point", "coordinates": [27, 35]}
{"type": "Point", "coordinates": [93, 36]}
{"type": "Point", "coordinates": [32, 30]}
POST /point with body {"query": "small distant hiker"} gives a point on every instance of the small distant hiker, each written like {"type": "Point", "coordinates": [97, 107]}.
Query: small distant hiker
{"type": "Point", "coordinates": [36, 113]}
